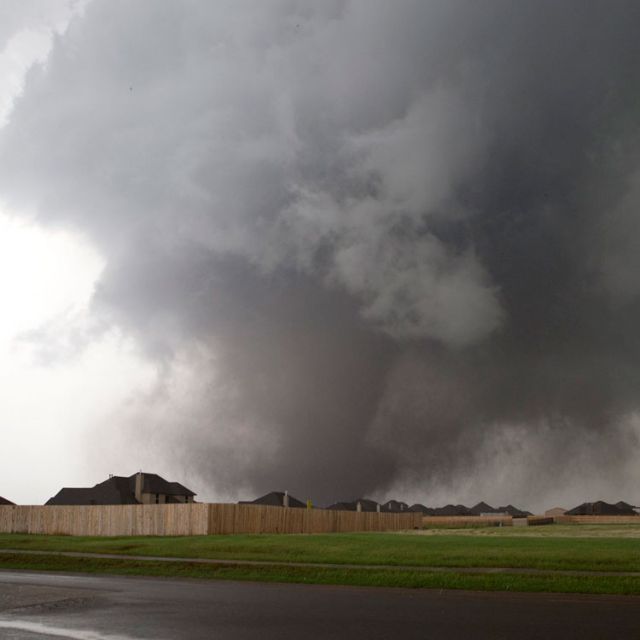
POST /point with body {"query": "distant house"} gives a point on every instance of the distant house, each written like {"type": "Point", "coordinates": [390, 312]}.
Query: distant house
{"type": "Point", "coordinates": [601, 508]}
{"type": "Point", "coordinates": [453, 510]}
{"type": "Point", "coordinates": [277, 499]}
{"type": "Point", "coordinates": [361, 504]}
{"type": "Point", "coordinates": [514, 511]}
{"type": "Point", "coordinates": [556, 511]}
{"type": "Point", "coordinates": [140, 488]}
{"type": "Point", "coordinates": [483, 508]}
{"type": "Point", "coordinates": [394, 506]}
{"type": "Point", "coordinates": [5, 502]}
{"type": "Point", "coordinates": [420, 508]}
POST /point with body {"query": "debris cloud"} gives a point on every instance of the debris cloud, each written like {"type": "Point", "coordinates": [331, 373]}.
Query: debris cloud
{"type": "Point", "coordinates": [372, 246]}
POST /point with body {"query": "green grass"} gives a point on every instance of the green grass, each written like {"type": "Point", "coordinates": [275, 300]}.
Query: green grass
{"type": "Point", "coordinates": [352, 577]}
{"type": "Point", "coordinates": [440, 550]}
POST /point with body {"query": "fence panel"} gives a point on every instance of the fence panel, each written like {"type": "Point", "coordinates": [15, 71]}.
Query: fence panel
{"type": "Point", "coordinates": [467, 521]}
{"type": "Point", "coordinates": [193, 519]}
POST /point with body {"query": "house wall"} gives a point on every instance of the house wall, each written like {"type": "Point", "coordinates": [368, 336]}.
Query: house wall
{"type": "Point", "coordinates": [150, 498]}
{"type": "Point", "coordinates": [193, 519]}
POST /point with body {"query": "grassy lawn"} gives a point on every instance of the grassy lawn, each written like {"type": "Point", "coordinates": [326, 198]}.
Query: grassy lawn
{"type": "Point", "coordinates": [473, 548]}
{"type": "Point", "coordinates": [332, 576]}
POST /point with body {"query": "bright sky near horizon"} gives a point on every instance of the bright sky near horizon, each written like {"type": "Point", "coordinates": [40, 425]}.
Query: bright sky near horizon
{"type": "Point", "coordinates": [48, 397]}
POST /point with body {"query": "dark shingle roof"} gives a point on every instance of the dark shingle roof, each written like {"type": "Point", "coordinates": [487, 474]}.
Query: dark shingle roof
{"type": "Point", "coordinates": [118, 490]}
{"type": "Point", "coordinates": [600, 508]}
{"type": "Point", "coordinates": [4, 501]}
{"type": "Point", "coordinates": [275, 499]}
{"type": "Point", "coordinates": [365, 505]}
{"type": "Point", "coordinates": [394, 506]}
{"type": "Point", "coordinates": [420, 508]}
{"type": "Point", "coordinates": [452, 510]}
{"type": "Point", "coordinates": [153, 483]}
{"type": "Point", "coordinates": [482, 507]}
{"type": "Point", "coordinates": [115, 490]}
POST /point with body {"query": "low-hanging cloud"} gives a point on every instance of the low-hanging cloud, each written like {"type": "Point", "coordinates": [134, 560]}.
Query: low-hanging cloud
{"type": "Point", "coordinates": [370, 244]}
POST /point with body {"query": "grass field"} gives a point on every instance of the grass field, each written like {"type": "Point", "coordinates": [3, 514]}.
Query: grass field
{"type": "Point", "coordinates": [551, 548]}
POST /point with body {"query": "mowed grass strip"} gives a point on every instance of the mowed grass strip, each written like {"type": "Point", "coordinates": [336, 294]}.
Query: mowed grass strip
{"type": "Point", "coordinates": [591, 554]}
{"type": "Point", "coordinates": [330, 576]}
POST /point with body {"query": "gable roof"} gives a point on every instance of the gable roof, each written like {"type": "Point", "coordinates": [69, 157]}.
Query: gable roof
{"type": "Point", "coordinates": [482, 507]}
{"type": "Point", "coordinates": [394, 506]}
{"type": "Point", "coordinates": [115, 490]}
{"type": "Point", "coordinates": [275, 499]}
{"type": "Point", "coordinates": [514, 511]}
{"type": "Point", "coordinates": [118, 490]}
{"type": "Point", "coordinates": [365, 505]}
{"type": "Point", "coordinates": [420, 508]}
{"type": "Point", "coordinates": [600, 508]}
{"type": "Point", "coordinates": [452, 510]}
{"type": "Point", "coordinates": [5, 502]}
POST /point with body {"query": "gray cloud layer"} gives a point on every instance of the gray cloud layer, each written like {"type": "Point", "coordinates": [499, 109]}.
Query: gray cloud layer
{"type": "Point", "coordinates": [392, 240]}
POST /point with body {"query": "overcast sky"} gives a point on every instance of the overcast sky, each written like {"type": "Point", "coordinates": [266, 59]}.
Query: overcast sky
{"type": "Point", "coordinates": [342, 248]}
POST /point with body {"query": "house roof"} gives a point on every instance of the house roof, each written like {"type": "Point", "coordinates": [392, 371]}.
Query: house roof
{"type": "Point", "coordinates": [115, 490]}
{"type": "Point", "coordinates": [514, 511]}
{"type": "Point", "coordinates": [394, 506]}
{"type": "Point", "coordinates": [275, 499]}
{"type": "Point", "coordinates": [153, 483]}
{"type": "Point", "coordinates": [453, 510]}
{"type": "Point", "coordinates": [482, 507]}
{"type": "Point", "coordinates": [420, 508]}
{"type": "Point", "coordinates": [118, 490]}
{"type": "Point", "coordinates": [365, 505]}
{"type": "Point", "coordinates": [4, 501]}
{"type": "Point", "coordinates": [601, 508]}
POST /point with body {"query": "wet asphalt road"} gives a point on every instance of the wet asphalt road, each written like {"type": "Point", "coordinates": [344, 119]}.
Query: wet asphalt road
{"type": "Point", "coordinates": [39, 606]}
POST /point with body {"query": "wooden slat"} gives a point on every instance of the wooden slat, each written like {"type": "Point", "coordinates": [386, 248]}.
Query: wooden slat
{"type": "Point", "coordinates": [466, 521]}
{"type": "Point", "coordinates": [193, 519]}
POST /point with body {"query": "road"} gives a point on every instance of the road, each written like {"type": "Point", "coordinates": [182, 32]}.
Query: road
{"type": "Point", "coordinates": [45, 606]}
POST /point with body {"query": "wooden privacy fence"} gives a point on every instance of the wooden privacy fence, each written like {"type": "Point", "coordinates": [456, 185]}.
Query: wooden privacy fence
{"type": "Point", "coordinates": [467, 521]}
{"type": "Point", "coordinates": [193, 519]}
{"type": "Point", "coordinates": [597, 519]}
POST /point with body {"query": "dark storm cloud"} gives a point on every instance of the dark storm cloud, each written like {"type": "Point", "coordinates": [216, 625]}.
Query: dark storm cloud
{"type": "Point", "coordinates": [393, 243]}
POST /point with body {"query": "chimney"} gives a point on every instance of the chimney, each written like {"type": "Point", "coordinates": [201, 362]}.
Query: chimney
{"type": "Point", "coordinates": [359, 506]}
{"type": "Point", "coordinates": [378, 507]}
{"type": "Point", "coordinates": [285, 499]}
{"type": "Point", "coordinates": [139, 485]}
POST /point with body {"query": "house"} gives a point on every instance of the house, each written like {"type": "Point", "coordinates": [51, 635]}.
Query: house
{"type": "Point", "coordinates": [556, 511]}
{"type": "Point", "coordinates": [5, 502]}
{"type": "Point", "coordinates": [483, 508]}
{"type": "Point", "coordinates": [277, 499]}
{"type": "Point", "coordinates": [514, 511]}
{"type": "Point", "coordinates": [420, 508]}
{"type": "Point", "coordinates": [361, 504]}
{"type": "Point", "coordinates": [394, 506]}
{"type": "Point", "coordinates": [140, 488]}
{"type": "Point", "coordinates": [601, 508]}
{"type": "Point", "coordinates": [453, 510]}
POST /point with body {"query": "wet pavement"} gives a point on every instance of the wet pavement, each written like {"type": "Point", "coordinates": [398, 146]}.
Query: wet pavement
{"type": "Point", "coordinates": [45, 606]}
